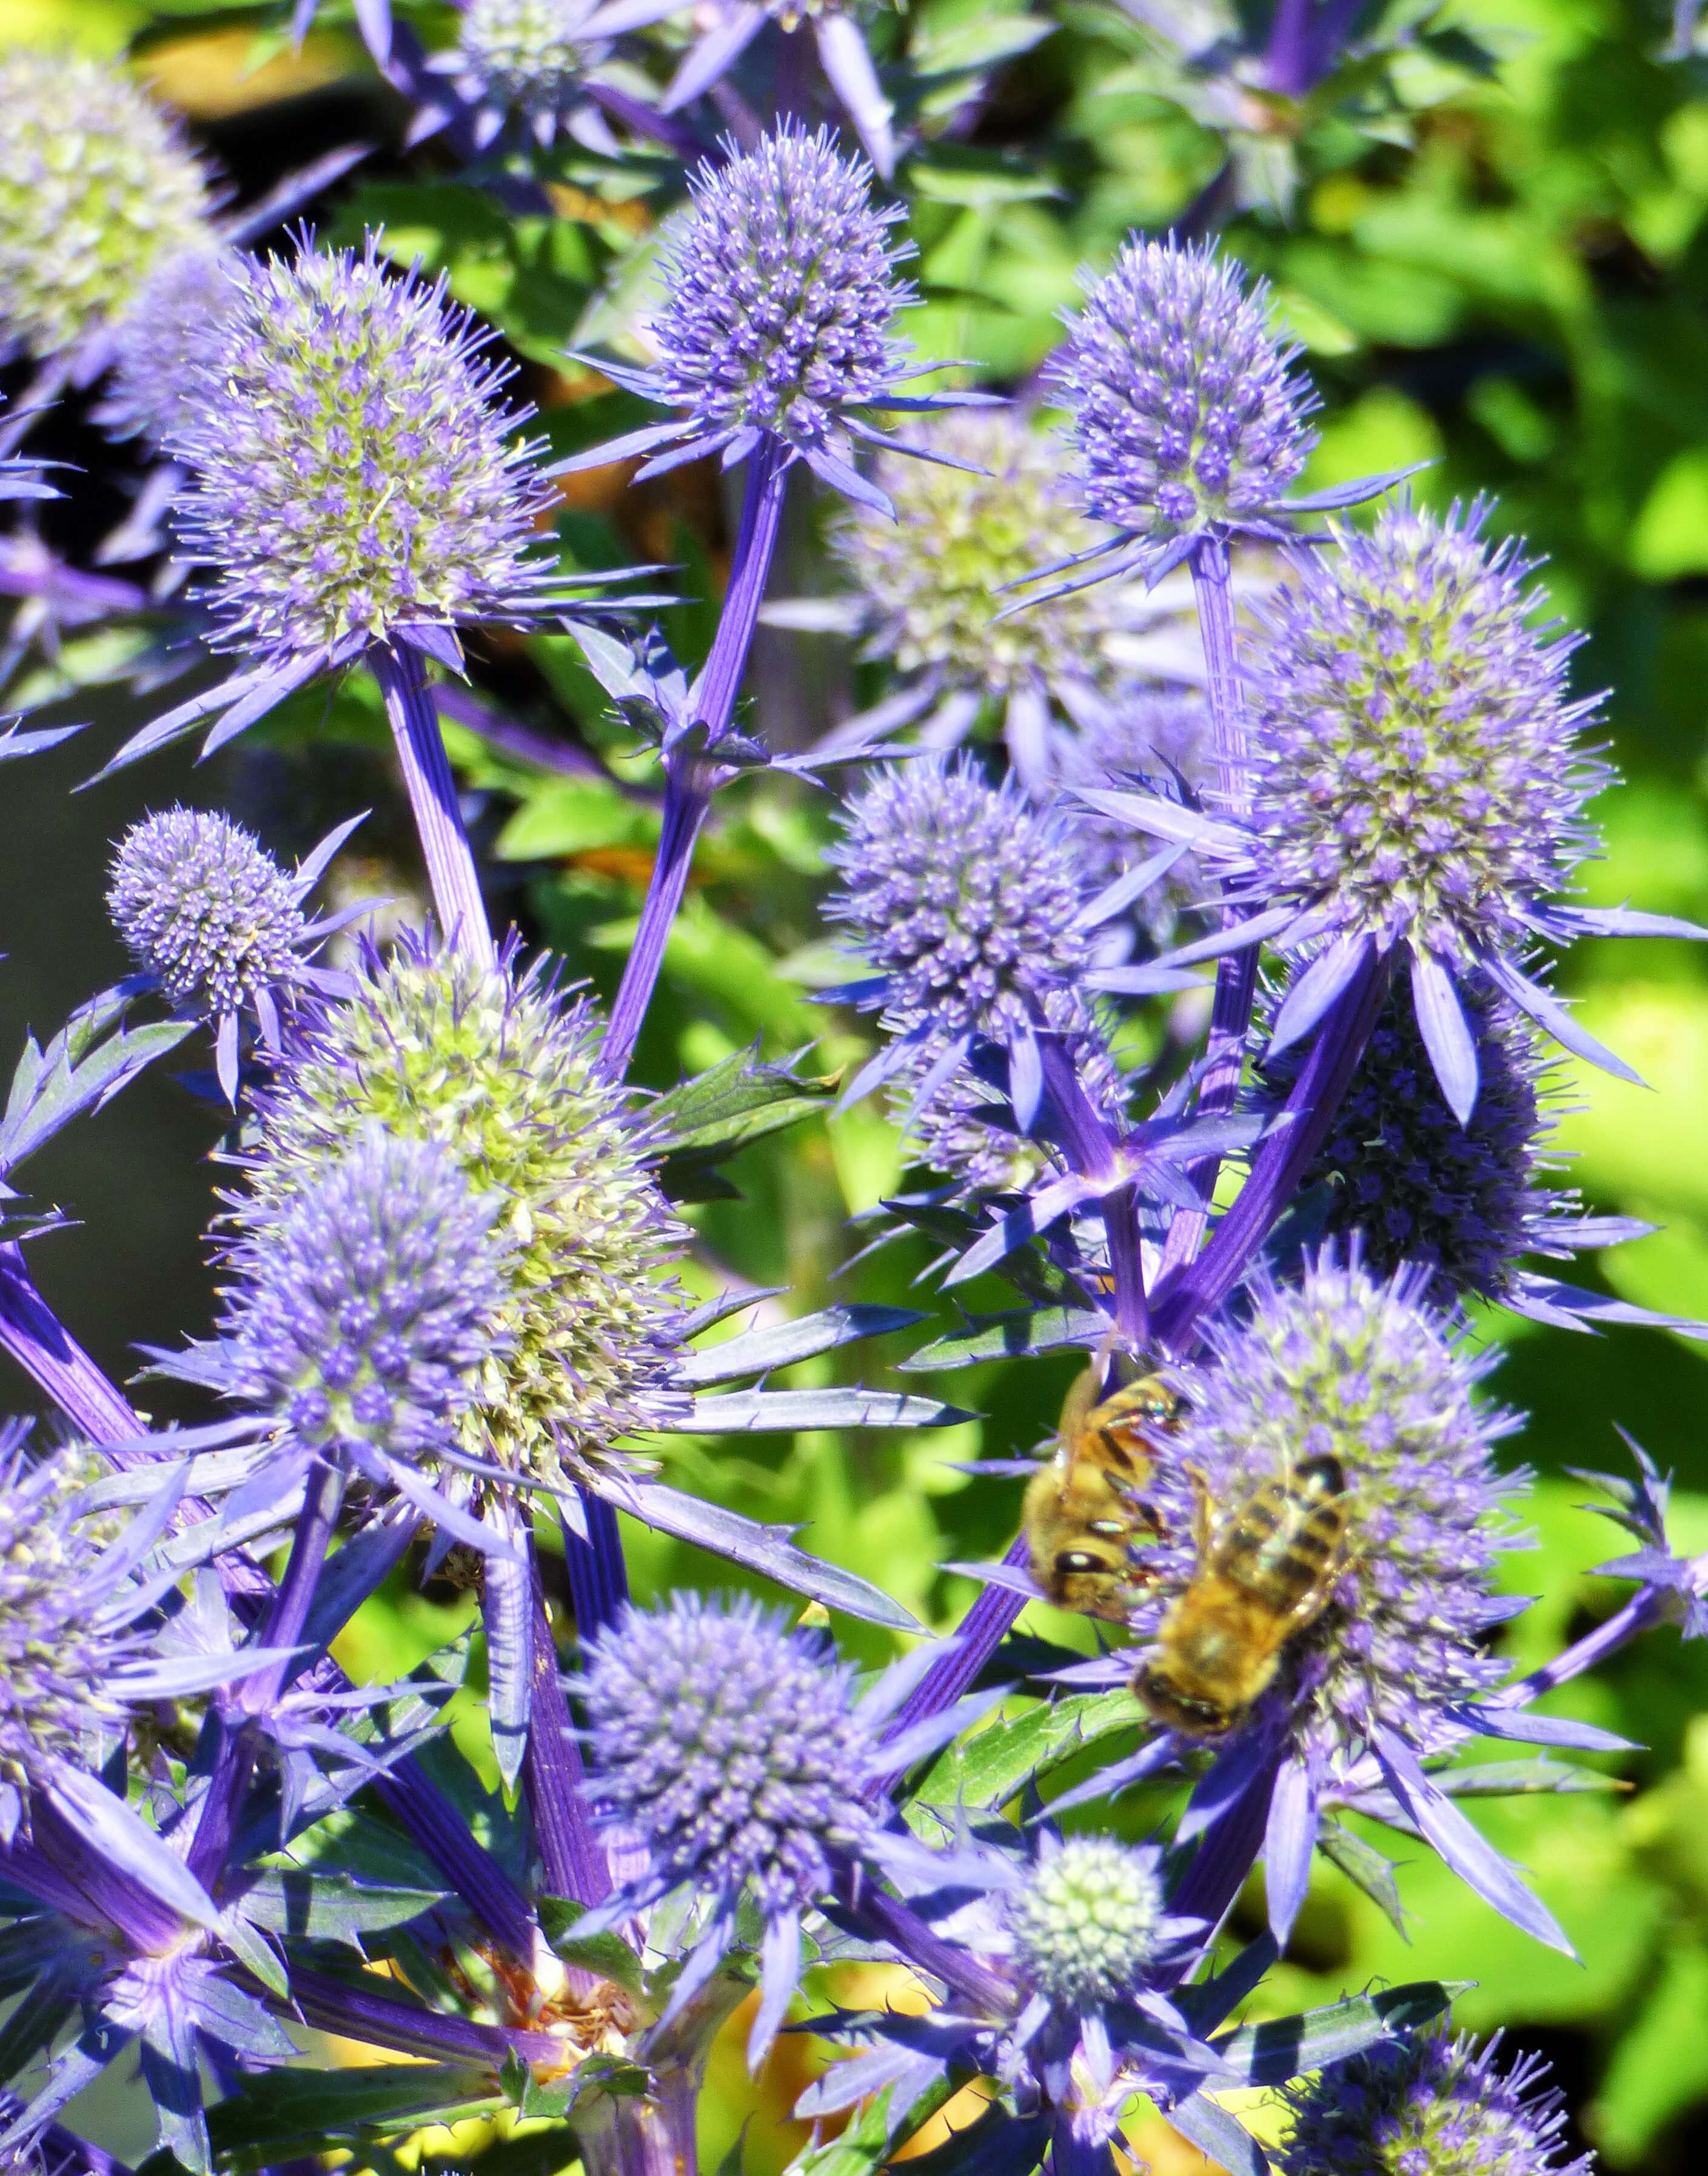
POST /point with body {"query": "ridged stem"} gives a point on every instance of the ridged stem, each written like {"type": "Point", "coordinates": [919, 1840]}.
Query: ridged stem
{"type": "Point", "coordinates": [1092, 1150]}
{"type": "Point", "coordinates": [690, 777]}
{"type": "Point", "coordinates": [552, 1775]}
{"type": "Point", "coordinates": [598, 1577]}
{"type": "Point", "coordinates": [432, 800]}
{"type": "Point", "coordinates": [1236, 975]}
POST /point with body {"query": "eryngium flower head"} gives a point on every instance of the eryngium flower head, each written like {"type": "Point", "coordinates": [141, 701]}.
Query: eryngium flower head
{"type": "Point", "coordinates": [63, 1655]}
{"type": "Point", "coordinates": [366, 1300]}
{"type": "Point", "coordinates": [96, 189]}
{"type": "Point", "coordinates": [779, 292]}
{"type": "Point", "coordinates": [931, 579]}
{"type": "Point", "coordinates": [1186, 420]}
{"type": "Point", "coordinates": [1415, 768]}
{"type": "Point", "coordinates": [529, 58]}
{"type": "Point", "coordinates": [1400, 1170]}
{"type": "Point", "coordinates": [163, 342]}
{"type": "Point", "coordinates": [500, 1067]}
{"type": "Point", "coordinates": [726, 1745]}
{"type": "Point", "coordinates": [963, 898]}
{"type": "Point", "coordinates": [352, 476]}
{"type": "Point", "coordinates": [1426, 2105]}
{"type": "Point", "coordinates": [1087, 1920]}
{"type": "Point", "coordinates": [1348, 1368]}
{"type": "Point", "coordinates": [204, 907]}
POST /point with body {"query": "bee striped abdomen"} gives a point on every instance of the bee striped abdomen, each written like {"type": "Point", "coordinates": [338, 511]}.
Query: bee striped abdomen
{"type": "Point", "coordinates": [1284, 1541]}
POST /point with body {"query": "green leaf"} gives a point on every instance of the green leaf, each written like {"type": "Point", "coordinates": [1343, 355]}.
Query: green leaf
{"type": "Point", "coordinates": [570, 815]}
{"type": "Point", "coordinates": [607, 1955]}
{"type": "Point", "coordinates": [740, 1100]}
{"type": "Point", "coordinates": [1000, 1759]}
{"type": "Point", "coordinates": [1004, 1337]}
{"type": "Point", "coordinates": [1281, 2047]}
{"type": "Point", "coordinates": [283, 2113]}
{"type": "Point", "coordinates": [557, 2100]}
{"type": "Point", "coordinates": [873, 2136]}
{"type": "Point", "coordinates": [1366, 1867]}
{"type": "Point", "coordinates": [88, 1062]}
{"type": "Point", "coordinates": [979, 180]}
{"type": "Point", "coordinates": [329, 1907]}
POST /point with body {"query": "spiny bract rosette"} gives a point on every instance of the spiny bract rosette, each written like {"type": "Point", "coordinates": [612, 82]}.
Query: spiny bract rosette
{"type": "Point", "coordinates": [96, 189]}
{"type": "Point", "coordinates": [529, 59]}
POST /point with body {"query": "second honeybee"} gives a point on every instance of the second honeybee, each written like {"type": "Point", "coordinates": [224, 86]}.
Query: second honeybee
{"type": "Point", "coordinates": [1267, 1572]}
{"type": "Point", "coordinates": [1082, 1509]}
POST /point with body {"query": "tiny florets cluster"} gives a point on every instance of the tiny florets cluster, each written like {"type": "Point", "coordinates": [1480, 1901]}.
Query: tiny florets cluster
{"type": "Point", "coordinates": [727, 1745]}
{"type": "Point", "coordinates": [1087, 1921]}
{"type": "Point", "coordinates": [931, 579]}
{"type": "Point", "coordinates": [500, 1069]}
{"type": "Point", "coordinates": [352, 476]}
{"type": "Point", "coordinates": [1185, 414]}
{"type": "Point", "coordinates": [1418, 1185]}
{"type": "Point", "coordinates": [58, 1662]}
{"type": "Point", "coordinates": [163, 343]}
{"type": "Point", "coordinates": [203, 906]}
{"type": "Point", "coordinates": [1415, 765]}
{"type": "Point", "coordinates": [366, 1301]}
{"type": "Point", "coordinates": [780, 289]}
{"type": "Point", "coordinates": [96, 189]}
{"type": "Point", "coordinates": [529, 56]}
{"type": "Point", "coordinates": [1426, 2105]}
{"type": "Point", "coordinates": [963, 897]}
{"type": "Point", "coordinates": [1347, 1365]}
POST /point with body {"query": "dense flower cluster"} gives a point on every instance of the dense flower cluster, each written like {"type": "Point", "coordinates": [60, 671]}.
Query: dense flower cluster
{"type": "Point", "coordinates": [526, 57]}
{"type": "Point", "coordinates": [96, 190]}
{"type": "Point", "coordinates": [202, 906]}
{"type": "Point", "coordinates": [163, 343]}
{"type": "Point", "coordinates": [352, 475]}
{"type": "Point", "coordinates": [1087, 1922]}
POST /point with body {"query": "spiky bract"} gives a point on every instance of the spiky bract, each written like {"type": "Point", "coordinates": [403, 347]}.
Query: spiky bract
{"type": "Point", "coordinates": [1424, 2104]}
{"type": "Point", "coordinates": [202, 906]}
{"type": "Point", "coordinates": [526, 56]}
{"type": "Point", "coordinates": [1184, 414]}
{"type": "Point", "coordinates": [365, 1301]}
{"type": "Point", "coordinates": [726, 1746]}
{"type": "Point", "coordinates": [96, 189]}
{"type": "Point", "coordinates": [499, 1066]}
{"type": "Point", "coordinates": [779, 292]}
{"type": "Point", "coordinates": [1415, 766]}
{"type": "Point", "coordinates": [352, 474]}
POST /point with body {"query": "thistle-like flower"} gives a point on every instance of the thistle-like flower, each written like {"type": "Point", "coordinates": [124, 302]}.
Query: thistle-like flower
{"type": "Point", "coordinates": [363, 1305]}
{"type": "Point", "coordinates": [1470, 1201]}
{"type": "Point", "coordinates": [780, 289]}
{"type": "Point", "coordinates": [96, 189]}
{"type": "Point", "coordinates": [967, 904]}
{"type": "Point", "coordinates": [1342, 1407]}
{"type": "Point", "coordinates": [499, 1069]}
{"type": "Point", "coordinates": [529, 59]}
{"type": "Point", "coordinates": [728, 1748]}
{"type": "Point", "coordinates": [1416, 779]}
{"type": "Point", "coordinates": [208, 914]}
{"type": "Point", "coordinates": [1185, 418]}
{"type": "Point", "coordinates": [1427, 2105]}
{"type": "Point", "coordinates": [162, 345]}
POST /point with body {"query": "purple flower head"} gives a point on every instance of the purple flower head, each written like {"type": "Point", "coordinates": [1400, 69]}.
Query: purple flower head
{"type": "Point", "coordinates": [1359, 1378]}
{"type": "Point", "coordinates": [526, 57]}
{"type": "Point", "coordinates": [1427, 2105]}
{"type": "Point", "coordinates": [780, 289]}
{"type": "Point", "coordinates": [96, 189]}
{"type": "Point", "coordinates": [499, 1067]}
{"type": "Point", "coordinates": [163, 339]}
{"type": "Point", "coordinates": [205, 911]}
{"type": "Point", "coordinates": [964, 900]}
{"type": "Point", "coordinates": [1186, 420]}
{"type": "Point", "coordinates": [779, 293]}
{"type": "Point", "coordinates": [352, 478]}
{"type": "Point", "coordinates": [363, 1305]}
{"type": "Point", "coordinates": [1416, 769]}
{"type": "Point", "coordinates": [727, 1747]}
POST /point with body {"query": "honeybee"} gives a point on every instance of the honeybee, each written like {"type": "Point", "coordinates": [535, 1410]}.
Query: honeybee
{"type": "Point", "coordinates": [1082, 1509]}
{"type": "Point", "coordinates": [1268, 1573]}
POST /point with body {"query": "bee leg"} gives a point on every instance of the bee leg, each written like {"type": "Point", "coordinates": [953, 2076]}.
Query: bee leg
{"type": "Point", "coordinates": [1200, 1507]}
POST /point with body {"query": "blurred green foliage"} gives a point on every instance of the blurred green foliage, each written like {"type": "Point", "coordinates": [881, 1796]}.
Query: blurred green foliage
{"type": "Point", "coordinates": [1508, 277]}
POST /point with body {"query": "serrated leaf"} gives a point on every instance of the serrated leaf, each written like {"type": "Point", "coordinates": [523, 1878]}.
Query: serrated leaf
{"type": "Point", "coordinates": [1002, 1336]}
{"type": "Point", "coordinates": [607, 1955]}
{"type": "Point", "coordinates": [1366, 1867]}
{"type": "Point", "coordinates": [997, 1762]}
{"type": "Point", "coordinates": [873, 2136]}
{"type": "Point", "coordinates": [303, 1902]}
{"type": "Point", "coordinates": [284, 2114]}
{"type": "Point", "coordinates": [90, 1059]}
{"type": "Point", "coordinates": [1506, 1779]}
{"type": "Point", "coordinates": [558, 2097]}
{"type": "Point", "coordinates": [737, 1100]}
{"type": "Point", "coordinates": [779, 1345]}
{"type": "Point", "coordinates": [1282, 2047]}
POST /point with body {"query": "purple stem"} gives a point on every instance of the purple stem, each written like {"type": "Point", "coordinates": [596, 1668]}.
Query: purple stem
{"type": "Point", "coordinates": [62, 1856]}
{"type": "Point", "coordinates": [1236, 975]}
{"type": "Point", "coordinates": [553, 1776]}
{"type": "Point", "coordinates": [46, 1351]}
{"type": "Point", "coordinates": [445, 1837]}
{"type": "Point", "coordinates": [598, 1577]}
{"type": "Point", "coordinates": [978, 1638]}
{"type": "Point", "coordinates": [688, 782]}
{"type": "Point", "coordinates": [335, 2006]}
{"type": "Point", "coordinates": [888, 1919]}
{"type": "Point", "coordinates": [234, 1756]}
{"type": "Point", "coordinates": [642, 120]}
{"type": "Point", "coordinates": [432, 798]}
{"type": "Point", "coordinates": [1282, 1160]}
{"type": "Point", "coordinates": [1091, 1149]}
{"type": "Point", "coordinates": [1287, 59]}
